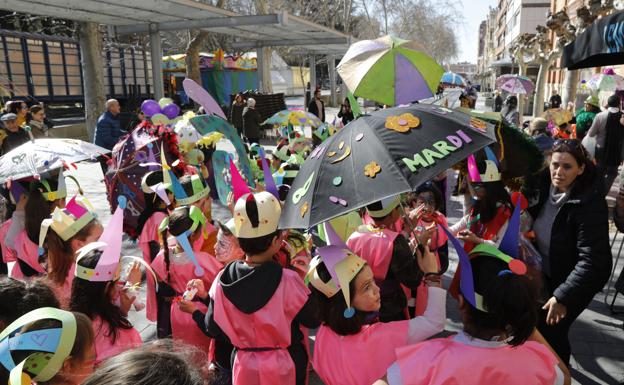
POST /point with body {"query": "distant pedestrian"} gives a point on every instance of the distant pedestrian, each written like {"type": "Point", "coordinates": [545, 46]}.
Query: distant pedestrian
{"type": "Point", "coordinates": [498, 102]}
{"type": "Point", "coordinates": [345, 113]}
{"type": "Point", "coordinates": [510, 110]}
{"type": "Point", "coordinates": [555, 100]}
{"type": "Point", "coordinates": [15, 135]}
{"type": "Point", "coordinates": [317, 106]}
{"type": "Point", "coordinates": [586, 116]}
{"type": "Point", "coordinates": [37, 122]}
{"type": "Point", "coordinates": [108, 129]}
{"type": "Point", "coordinates": [608, 130]}
{"type": "Point", "coordinates": [236, 113]}
{"type": "Point", "coordinates": [252, 122]}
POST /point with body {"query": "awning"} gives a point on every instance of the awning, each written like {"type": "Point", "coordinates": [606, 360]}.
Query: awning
{"type": "Point", "coordinates": [601, 44]}
{"type": "Point", "coordinates": [504, 62]}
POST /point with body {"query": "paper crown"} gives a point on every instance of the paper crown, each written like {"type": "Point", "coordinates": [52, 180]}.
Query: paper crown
{"type": "Point", "coordinates": [198, 188]}
{"type": "Point", "coordinates": [183, 239]}
{"type": "Point", "coordinates": [286, 174]}
{"type": "Point", "coordinates": [383, 207]}
{"type": "Point", "coordinates": [68, 221]}
{"type": "Point", "coordinates": [342, 265]}
{"type": "Point", "coordinates": [269, 182]}
{"type": "Point", "coordinates": [49, 347]}
{"type": "Point", "coordinates": [282, 152]}
{"type": "Point", "coordinates": [153, 183]}
{"type": "Point", "coordinates": [507, 252]}
{"type": "Point", "coordinates": [110, 244]}
{"type": "Point", "coordinates": [61, 189]}
{"type": "Point", "coordinates": [239, 187]}
{"type": "Point", "coordinates": [324, 131]}
{"type": "Point", "coordinates": [492, 172]}
{"type": "Point", "coordinates": [256, 215]}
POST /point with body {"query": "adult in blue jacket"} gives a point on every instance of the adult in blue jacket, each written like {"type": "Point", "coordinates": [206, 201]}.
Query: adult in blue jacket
{"type": "Point", "coordinates": [108, 129]}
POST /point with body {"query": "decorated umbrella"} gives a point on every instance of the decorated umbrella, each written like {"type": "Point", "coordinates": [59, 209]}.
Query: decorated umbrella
{"type": "Point", "coordinates": [390, 70]}
{"type": "Point", "coordinates": [142, 145]}
{"type": "Point", "coordinates": [515, 84]}
{"type": "Point", "coordinates": [376, 156]}
{"type": "Point", "coordinates": [43, 155]}
{"type": "Point", "coordinates": [608, 80]}
{"type": "Point", "coordinates": [453, 79]}
{"type": "Point", "coordinates": [294, 118]}
{"type": "Point", "coordinates": [558, 116]}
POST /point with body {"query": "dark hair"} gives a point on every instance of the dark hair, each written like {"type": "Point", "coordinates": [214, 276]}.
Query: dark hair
{"type": "Point", "coordinates": [187, 184]}
{"type": "Point", "coordinates": [593, 108]}
{"type": "Point", "coordinates": [430, 187]}
{"type": "Point", "coordinates": [161, 363]}
{"type": "Point", "coordinates": [92, 298]}
{"type": "Point", "coordinates": [254, 246]}
{"type": "Point", "coordinates": [614, 101]}
{"type": "Point", "coordinates": [512, 101]}
{"type": "Point", "coordinates": [495, 193]}
{"type": "Point", "coordinates": [84, 340]}
{"type": "Point", "coordinates": [377, 206]}
{"type": "Point", "coordinates": [15, 106]}
{"type": "Point", "coordinates": [37, 209]}
{"type": "Point", "coordinates": [60, 255]}
{"type": "Point", "coordinates": [152, 202]}
{"type": "Point", "coordinates": [35, 109]}
{"type": "Point", "coordinates": [179, 222]}
{"type": "Point", "coordinates": [18, 298]}
{"type": "Point", "coordinates": [510, 299]}
{"type": "Point", "coordinates": [331, 310]}
{"type": "Point", "coordinates": [580, 155]}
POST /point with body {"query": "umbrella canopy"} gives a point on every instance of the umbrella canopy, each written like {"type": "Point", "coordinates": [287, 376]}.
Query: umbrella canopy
{"type": "Point", "coordinates": [376, 156]}
{"type": "Point", "coordinates": [453, 79]}
{"type": "Point", "coordinates": [515, 84]}
{"type": "Point", "coordinates": [294, 118]}
{"type": "Point", "coordinates": [42, 155]}
{"type": "Point", "coordinates": [599, 45]}
{"type": "Point", "coordinates": [608, 80]}
{"type": "Point", "coordinates": [390, 70]}
{"type": "Point", "coordinates": [558, 116]}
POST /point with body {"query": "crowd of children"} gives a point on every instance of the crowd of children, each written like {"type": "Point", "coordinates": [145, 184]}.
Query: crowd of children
{"type": "Point", "coordinates": [236, 302]}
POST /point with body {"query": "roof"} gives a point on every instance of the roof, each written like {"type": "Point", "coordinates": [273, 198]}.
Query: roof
{"type": "Point", "coordinates": [141, 16]}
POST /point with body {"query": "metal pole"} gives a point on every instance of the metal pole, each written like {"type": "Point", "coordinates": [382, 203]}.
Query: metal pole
{"type": "Point", "coordinates": [312, 73]}
{"type": "Point", "coordinates": [331, 65]}
{"type": "Point", "coordinates": [260, 68]}
{"type": "Point", "coordinates": [156, 56]}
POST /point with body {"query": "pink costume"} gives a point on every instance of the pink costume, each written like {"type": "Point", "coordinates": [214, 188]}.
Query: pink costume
{"type": "Point", "coordinates": [181, 271]}
{"type": "Point", "coordinates": [438, 239]}
{"type": "Point", "coordinates": [375, 246]}
{"type": "Point", "coordinates": [63, 292]}
{"type": "Point", "coordinates": [262, 337]}
{"type": "Point", "coordinates": [364, 357]}
{"type": "Point", "coordinates": [149, 234]}
{"type": "Point", "coordinates": [27, 252]}
{"type": "Point", "coordinates": [453, 361]}
{"type": "Point", "coordinates": [104, 347]}
{"type": "Point", "coordinates": [8, 254]}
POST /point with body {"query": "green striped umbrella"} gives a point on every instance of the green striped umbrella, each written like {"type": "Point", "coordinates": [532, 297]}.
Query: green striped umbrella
{"type": "Point", "coordinates": [390, 70]}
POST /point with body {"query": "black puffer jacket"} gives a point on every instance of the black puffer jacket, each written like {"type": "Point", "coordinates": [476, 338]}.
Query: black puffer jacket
{"type": "Point", "coordinates": [580, 253]}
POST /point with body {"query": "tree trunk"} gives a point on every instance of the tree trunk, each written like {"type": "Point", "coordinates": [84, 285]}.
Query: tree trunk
{"type": "Point", "coordinates": [522, 70]}
{"type": "Point", "coordinates": [538, 102]}
{"type": "Point", "coordinates": [570, 82]}
{"type": "Point", "coordinates": [93, 74]}
{"type": "Point", "coordinates": [267, 85]}
{"type": "Point", "coordinates": [192, 56]}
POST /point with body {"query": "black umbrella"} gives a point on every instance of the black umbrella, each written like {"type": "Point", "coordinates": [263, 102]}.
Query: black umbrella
{"type": "Point", "coordinates": [599, 45]}
{"type": "Point", "coordinates": [379, 155]}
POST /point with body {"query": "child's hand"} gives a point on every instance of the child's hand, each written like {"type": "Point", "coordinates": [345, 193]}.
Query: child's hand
{"type": "Point", "coordinates": [134, 274]}
{"type": "Point", "coordinates": [424, 237]}
{"type": "Point", "coordinates": [417, 212]}
{"type": "Point", "coordinates": [187, 306]}
{"type": "Point", "coordinates": [427, 261]}
{"type": "Point", "coordinates": [469, 236]}
{"type": "Point", "coordinates": [199, 285]}
{"type": "Point", "coordinates": [125, 301]}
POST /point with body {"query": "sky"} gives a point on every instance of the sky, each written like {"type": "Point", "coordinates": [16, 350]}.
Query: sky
{"type": "Point", "coordinates": [474, 12]}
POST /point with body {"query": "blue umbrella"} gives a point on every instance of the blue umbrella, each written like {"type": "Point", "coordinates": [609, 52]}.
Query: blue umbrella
{"type": "Point", "coordinates": [453, 79]}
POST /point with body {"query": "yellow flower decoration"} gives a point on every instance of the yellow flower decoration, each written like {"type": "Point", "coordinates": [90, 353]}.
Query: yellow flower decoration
{"type": "Point", "coordinates": [372, 169]}
{"type": "Point", "coordinates": [402, 123]}
{"type": "Point", "coordinates": [304, 209]}
{"type": "Point", "coordinates": [210, 140]}
{"type": "Point", "coordinates": [478, 124]}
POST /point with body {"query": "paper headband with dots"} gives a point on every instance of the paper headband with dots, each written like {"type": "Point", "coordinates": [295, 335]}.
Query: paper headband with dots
{"type": "Point", "coordinates": [198, 219]}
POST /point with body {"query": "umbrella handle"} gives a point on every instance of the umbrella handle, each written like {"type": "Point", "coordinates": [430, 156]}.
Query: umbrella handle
{"type": "Point", "coordinates": [408, 221]}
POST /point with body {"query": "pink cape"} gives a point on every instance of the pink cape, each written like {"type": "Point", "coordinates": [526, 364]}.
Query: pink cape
{"type": "Point", "coordinates": [446, 361]}
{"type": "Point", "coordinates": [375, 247]}
{"type": "Point", "coordinates": [268, 328]}
{"type": "Point", "coordinates": [183, 326]}
{"type": "Point", "coordinates": [149, 234]}
{"type": "Point", "coordinates": [127, 339]}
{"type": "Point", "coordinates": [28, 252]}
{"type": "Point", "coordinates": [8, 254]}
{"type": "Point", "coordinates": [63, 292]}
{"type": "Point", "coordinates": [360, 358]}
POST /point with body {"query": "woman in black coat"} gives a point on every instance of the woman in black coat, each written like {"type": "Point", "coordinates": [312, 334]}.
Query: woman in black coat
{"type": "Point", "coordinates": [572, 235]}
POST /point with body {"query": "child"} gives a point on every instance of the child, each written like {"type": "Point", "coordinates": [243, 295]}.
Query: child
{"type": "Point", "coordinates": [150, 365]}
{"type": "Point", "coordinates": [499, 310]}
{"type": "Point", "coordinates": [227, 248]}
{"type": "Point", "coordinates": [71, 228]}
{"type": "Point", "coordinates": [157, 198]}
{"type": "Point", "coordinates": [47, 346]}
{"type": "Point", "coordinates": [177, 264]}
{"type": "Point", "coordinates": [96, 288]}
{"type": "Point", "coordinates": [390, 257]}
{"type": "Point", "coordinates": [427, 218]}
{"type": "Point", "coordinates": [349, 350]}
{"type": "Point", "coordinates": [258, 305]}
{"type": "Point", "coordinates": [18, 196]}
